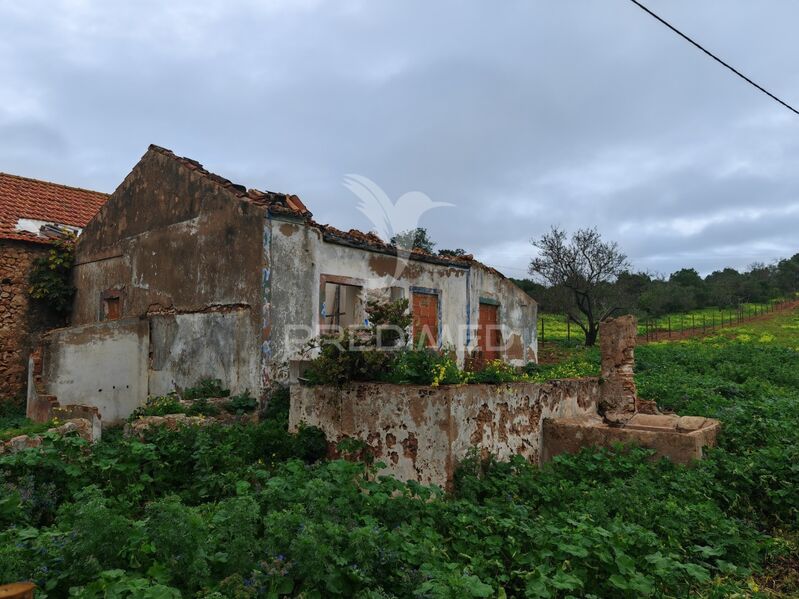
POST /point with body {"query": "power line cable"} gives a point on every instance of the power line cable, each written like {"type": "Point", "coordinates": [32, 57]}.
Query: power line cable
{"type": "Point", "coordinates": [714, 57]}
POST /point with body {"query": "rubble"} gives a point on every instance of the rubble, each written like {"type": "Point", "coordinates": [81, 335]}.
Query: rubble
{"type": "Point", "coordinates": [82, 427]}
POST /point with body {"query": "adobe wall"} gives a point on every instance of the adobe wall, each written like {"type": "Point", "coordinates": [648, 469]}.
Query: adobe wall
{"type": "Point", "coordinates": [422, 432]}
{"type": "Point", "coordinates": [21, 320]}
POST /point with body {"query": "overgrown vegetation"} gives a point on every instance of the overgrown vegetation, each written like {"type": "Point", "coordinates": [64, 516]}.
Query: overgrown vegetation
{"type": "Point", "coordinates": [50, 276]}
{"type": "Point", "coordinates": [379, 353]}
{"type": "Point", "coordinates": [252, 511]}
{"type": "Point", "coordinates": [194, 401]}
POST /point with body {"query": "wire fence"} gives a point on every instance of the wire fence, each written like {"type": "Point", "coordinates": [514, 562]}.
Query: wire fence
{"type": "Point", "coordinates": [558, 327]}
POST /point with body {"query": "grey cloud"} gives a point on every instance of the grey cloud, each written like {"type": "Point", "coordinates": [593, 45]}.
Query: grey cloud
{"type": "Point", "coordinates": [523, 114]}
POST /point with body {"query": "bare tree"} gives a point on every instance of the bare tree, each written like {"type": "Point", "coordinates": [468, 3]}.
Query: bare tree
{"type": "Point", "coordinates": [584, 268]}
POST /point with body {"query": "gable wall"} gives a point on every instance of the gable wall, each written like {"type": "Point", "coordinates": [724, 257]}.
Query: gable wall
{"type": "Point", "coordinates": [169, 239]}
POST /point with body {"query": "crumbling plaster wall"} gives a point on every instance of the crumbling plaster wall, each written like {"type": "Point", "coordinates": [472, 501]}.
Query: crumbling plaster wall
{"type": "Point", "coordinates": [182, 250]}
{"type": "Point", "coordinates": [518, 314]}
{"type": "Point", "coordinates": [422, 432]}
{"type": "Point", "coordinates": [184, 347]}
{"type": "Point", "coordinates": [102, 365]}
{"type": "Point", "coordinates": [300, 256]}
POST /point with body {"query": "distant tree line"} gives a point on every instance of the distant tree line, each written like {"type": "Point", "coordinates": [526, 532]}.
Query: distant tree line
{"type": "Point", "coordinates": [649, 295]}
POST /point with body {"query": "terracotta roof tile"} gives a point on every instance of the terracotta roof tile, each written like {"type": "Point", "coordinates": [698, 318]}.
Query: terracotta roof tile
{"type": "Point", "coordinates": [21, 197]}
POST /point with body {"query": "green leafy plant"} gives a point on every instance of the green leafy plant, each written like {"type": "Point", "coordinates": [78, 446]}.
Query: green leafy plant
{"type": "Point", "coordinates": [241, 403]}
{"type": "Point", "coordinates": [203, 407]}
{"type": "Point", "coordinates": [50, 276]}
{"type": "Point", "coordinates": [255, 511]}
{"type": "Point", "coordinates": [496, 371]}
{"type": "Point", "coordinates": [204, 389]}
{"type": "Point", "coordinates": [160, 405]}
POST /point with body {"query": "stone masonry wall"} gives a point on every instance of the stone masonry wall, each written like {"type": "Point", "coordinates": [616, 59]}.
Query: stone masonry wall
{"type": "Point", "coordinates": [617, 338]}
{"type": "Point", "coordinates": [21, 321]}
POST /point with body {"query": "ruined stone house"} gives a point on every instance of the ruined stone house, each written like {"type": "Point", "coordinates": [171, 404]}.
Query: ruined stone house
{"type": "Point", "coordinates": [31, 213]}
{"type": "Point", "coordinates": [183, 274]}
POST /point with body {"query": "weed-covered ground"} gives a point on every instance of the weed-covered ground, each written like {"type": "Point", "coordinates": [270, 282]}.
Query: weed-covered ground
{"type": "Point", "coordinates": [251, 511]}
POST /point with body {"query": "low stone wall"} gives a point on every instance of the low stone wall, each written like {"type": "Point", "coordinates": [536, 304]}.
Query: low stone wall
{"type": "Point", "coordinates": [422, 432]}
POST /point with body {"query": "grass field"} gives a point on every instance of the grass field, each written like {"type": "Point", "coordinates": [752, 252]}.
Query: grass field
{"type": "Point", "coordinates": [553, 327]}
{"type": "Point", "coordinates": [254, 512]}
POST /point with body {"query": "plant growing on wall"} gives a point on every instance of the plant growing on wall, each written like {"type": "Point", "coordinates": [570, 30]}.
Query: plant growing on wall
{"type": "Point", "coordinates": [389, 321]}
{"type": "Point", "coordinates": [51, 276]}
{"type": "Point", "coordinates": [352, 357]}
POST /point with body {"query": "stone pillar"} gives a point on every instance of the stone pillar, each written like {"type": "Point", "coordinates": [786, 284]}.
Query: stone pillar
{"type": "Point", "coordinates": [617, 337]}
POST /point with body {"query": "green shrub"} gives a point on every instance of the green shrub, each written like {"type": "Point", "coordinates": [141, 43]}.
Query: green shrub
{"type": "Point", "coordinates": [495, 371]}
{"type": "Point", "coordinates": [13, 427]}
{"type": "Point", "coordinates": [118, 584]}
{"type": "Point", "coordinates": [425, 367]}
{"type": "Point", "coordinates": [204, 389]}
{"type": "Point", "coordinates": [232, 542]}
{"type": "Point", "coordinates": [178, 534]}
{"type": "Point", "coordinates": [160, 405]}
{"type": "Point", "coordinates": [242, 403]}
{"type": "Point", "coordinates": [203, 407]}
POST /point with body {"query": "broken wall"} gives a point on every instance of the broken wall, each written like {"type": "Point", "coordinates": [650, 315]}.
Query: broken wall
{"type": "Point", "coordinates": [300, 256]}
{"type": "Point", "coordinates": [21, 320]}
{"type": "Point", "coordinates": [209, 344]}
{"type": "Point", "coordinates": [178, 248]}
{"type": "Point", "coordinates": [102, 365]}
{"type": "Point", "coordinates": [422, 432]}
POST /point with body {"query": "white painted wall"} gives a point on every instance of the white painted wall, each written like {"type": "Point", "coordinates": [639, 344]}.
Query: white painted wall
{"type": "Point", "coordinates": [102, 365]}
{"type": "Point", "coordinates": [299, 257]}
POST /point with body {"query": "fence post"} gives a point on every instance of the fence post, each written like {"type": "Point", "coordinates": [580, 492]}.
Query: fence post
{"type": "Point", "coordinates": [568, 329]}
{"type": "Point", "coordinates": [669, 327]}
{"type": "Point", "coordinates": [543, 335]}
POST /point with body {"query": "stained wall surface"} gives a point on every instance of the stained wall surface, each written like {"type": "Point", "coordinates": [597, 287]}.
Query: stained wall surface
{"type": "Point", "coordinates": [102, 365]}
{"type": "Point", "coordinates": [178, 249]}
{"type": "Point", "coordinates": [301, 260]}
{"type": "Point", "coordinates": [227, 282]}
{"type": "Point", "coordinates": [422, 432]}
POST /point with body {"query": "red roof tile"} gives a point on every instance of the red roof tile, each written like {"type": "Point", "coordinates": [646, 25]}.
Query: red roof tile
{"type": "Point", "coordinates": [21, 197]}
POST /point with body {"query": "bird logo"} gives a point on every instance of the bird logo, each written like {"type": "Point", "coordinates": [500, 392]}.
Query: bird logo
{"type": "Point", "coordinates": [392, 222]}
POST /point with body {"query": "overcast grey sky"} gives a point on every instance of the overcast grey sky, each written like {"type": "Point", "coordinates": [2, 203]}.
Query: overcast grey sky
{"type": "Point", "coordinates": [522, 114]}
